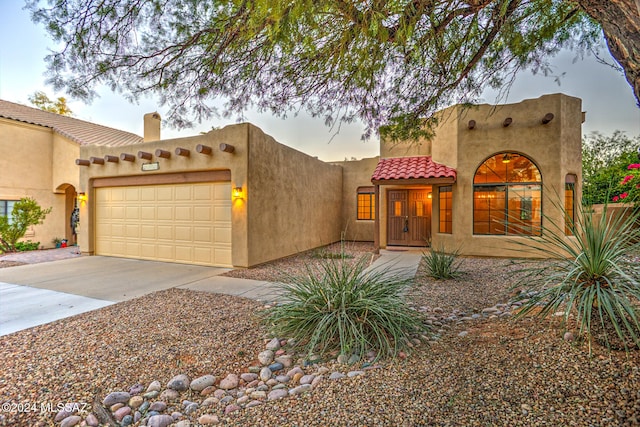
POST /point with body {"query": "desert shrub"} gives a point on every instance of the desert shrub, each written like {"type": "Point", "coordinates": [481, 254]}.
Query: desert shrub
{"type": "Point", "coordinates": [441, 264]}
{"type": "Point", "coordinates": [26, 212]}
{"type": "Point", "coordinates": [591, 275]}
{"type": "Point", "coordinates": [27, 246]}
{"type": "Point", "coordinates": [340, 307]}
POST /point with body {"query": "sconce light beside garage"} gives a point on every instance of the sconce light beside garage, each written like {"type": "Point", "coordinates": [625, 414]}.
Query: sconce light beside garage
{"type": "Point", "coordinates": [238, 193]}
{"type": "Point", "coordinates": [82, 198]}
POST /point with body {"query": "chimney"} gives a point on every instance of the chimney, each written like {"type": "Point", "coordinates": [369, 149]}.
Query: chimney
{"type": "Point", "coordinates": [152, 127]}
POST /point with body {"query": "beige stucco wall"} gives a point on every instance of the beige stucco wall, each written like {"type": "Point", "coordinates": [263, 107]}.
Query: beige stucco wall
{"type": "Point", "coordinates": [291, 201]}
{"type": "Point", "coordinates": [356, 174]}
{"type": "Point", "coordinates": [36, 162]}
{"type": "Point", "coordinates": [294, 200]}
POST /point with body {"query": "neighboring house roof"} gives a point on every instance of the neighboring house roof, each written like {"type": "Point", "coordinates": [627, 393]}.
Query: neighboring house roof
{"type": "Point", "coordinates": [416, 167]}
{"type": "Point", "coordinates": [80, 131]}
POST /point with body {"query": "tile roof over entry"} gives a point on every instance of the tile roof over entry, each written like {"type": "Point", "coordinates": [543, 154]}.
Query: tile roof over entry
{"type": "Point", "coordinates": [411, 168]}
{"type": "Point", "coordinates": [84, 133]}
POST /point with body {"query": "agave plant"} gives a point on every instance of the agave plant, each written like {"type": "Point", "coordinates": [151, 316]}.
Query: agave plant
{"type": "Point", "coordinates": [591, 274]}
{"type": "Point", "coordinates": [341, 307]}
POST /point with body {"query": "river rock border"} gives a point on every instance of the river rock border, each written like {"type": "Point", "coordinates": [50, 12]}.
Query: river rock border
{"type": "Point", "coordinates": [206, 399]}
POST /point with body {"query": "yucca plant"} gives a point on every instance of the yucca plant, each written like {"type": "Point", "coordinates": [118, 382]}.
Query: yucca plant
{"type": "Point", "coordinates": [591, 275]}
{"type": "Point", "coordinates": [341, 307]}
{"type": "Point", "coordinates": [441, 264]}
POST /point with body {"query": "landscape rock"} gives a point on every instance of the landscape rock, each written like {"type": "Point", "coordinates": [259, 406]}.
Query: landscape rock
{"type": "Point", "coordinates": [179, 383]}
{"type": "Point", "coordinates": [230, 382]}
{"type": "Point", "coordinates": [71, 421]}
{"type": "Point", "coordinates": [160, 421]}
{"type": "Point", "coordinates": [209, 419]}
{"type": "Point", "coordinates": [116, 397]}
{"type": "Point", "coordinates": [265, 357]}
{"type": "Point", "coordinates": [202, 382]}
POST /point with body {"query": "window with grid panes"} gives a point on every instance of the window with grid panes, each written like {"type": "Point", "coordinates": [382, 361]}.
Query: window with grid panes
{"type": "Point", "coordinates": [366, 204]}
{"type": "Point", "coordinates": [446, 211]}
{"type": "Point", "coordinates": [507, 196]}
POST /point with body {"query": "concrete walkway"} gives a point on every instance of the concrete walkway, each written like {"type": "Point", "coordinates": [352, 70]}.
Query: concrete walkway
{"type": "Point", "coordinates": [59, 283]}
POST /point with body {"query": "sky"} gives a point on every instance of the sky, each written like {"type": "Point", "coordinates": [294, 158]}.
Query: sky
{"type": "Point", "coordinates": [606, 96]}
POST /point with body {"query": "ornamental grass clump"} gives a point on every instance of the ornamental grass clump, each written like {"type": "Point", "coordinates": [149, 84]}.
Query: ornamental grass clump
{"type": "Point", "coordinates": [339, 307]}
{"type": "Point", "coordinates": [593, 275]}
{"type": "Point", "coordinates": [441, 264]}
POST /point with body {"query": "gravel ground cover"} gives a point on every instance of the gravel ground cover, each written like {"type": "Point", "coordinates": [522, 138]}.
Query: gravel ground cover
{"type": "Point", "coordinates": [485, 372]}
{"type": "Point", "coordinates": [280, 270]}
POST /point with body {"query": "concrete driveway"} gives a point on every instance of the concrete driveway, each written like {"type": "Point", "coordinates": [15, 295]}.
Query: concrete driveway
{"type": "Point", "coordinates": [34, 294]}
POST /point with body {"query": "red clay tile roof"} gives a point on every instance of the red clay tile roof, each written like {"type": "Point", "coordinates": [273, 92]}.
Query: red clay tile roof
{"type": "Point", "coordinates": [84, 133]}
{"type": "Point", "coordinates": [411, 168]}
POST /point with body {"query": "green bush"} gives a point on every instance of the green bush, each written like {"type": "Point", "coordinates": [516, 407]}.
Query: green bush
{"type": "Point", "coordinates": [26, 212]}
{"type": "Point", "coordinates": [340, 307]}
{"type": "Point", "coordinates": [27, 246]}
{"type": "Point", "coordinates": [441, 264]}
{"type": "Point", "coordinates": [592, 275]}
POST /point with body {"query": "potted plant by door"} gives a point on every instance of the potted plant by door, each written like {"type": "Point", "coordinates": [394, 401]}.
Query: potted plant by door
{"type": "Point", "coordinates": [57, 242]}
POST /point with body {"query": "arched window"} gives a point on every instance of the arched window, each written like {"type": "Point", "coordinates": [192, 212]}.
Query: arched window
{"type": "Point", "coordinates": [507, 196]}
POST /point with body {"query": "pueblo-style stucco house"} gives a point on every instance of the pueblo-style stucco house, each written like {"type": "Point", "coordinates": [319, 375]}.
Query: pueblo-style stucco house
{"type": "Point", "coordinates": [236, 197]}
{"type": "Point", "coordinates": [37, 154]}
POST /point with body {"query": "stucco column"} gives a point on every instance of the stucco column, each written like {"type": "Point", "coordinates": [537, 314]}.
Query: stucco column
{"type": "Point", "coordinates": [376, 221]}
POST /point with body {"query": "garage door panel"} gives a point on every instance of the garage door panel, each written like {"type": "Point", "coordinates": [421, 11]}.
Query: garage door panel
{"type": "Point", "coordinates": [202, 234]}
{"type": "Point", "coordinates": [117, 212]}
{"type": "Point", "coordinates": [222, 235]}
{"type": "Point", "coordinates": [118, 229]}
{"type": "Point", "coordinates": [148, 231]}
{"type": "Point", "coordinates": [202, 213]}
{"type": "Point", "coordinates": [202, 193]}
{"type": "Point", "coordinates": [222, 193]}
{"type": "Point", "coordinates": [132, 194]}
{"type": "Point", "coordinates": [222, 213]}
{"type": "Point", "coordinates": [132, 231]}
{"type": "Point", "coordinates": [132, 212]}
{"type": "Point", "coordinates": [183, 213]}
{"type": "Point", "coordinates": [117, 195]}
{"type": "Point", "coordinates": [148, 251]}
{"type": "Point", "coordinates": [183, 234]}
{"type": "Point", "coordinates": [223, 256]}
{"type": "Point", "coordinates": [184, 253]}
{"type": "Point", "coordinates": [164, 193]}
{"type": "Point", "coordinates": [148, 193]}
{"type": "Point", "coordinates": [183, 193]}
{"type": "Point", "coordinates": [148, 213]}
{"type": "Point", "coordinates": [164, 232]}
{"type": "Point", "coordinates": [165, 213]}
{"type": "Point", "coordinates": [189, 223]}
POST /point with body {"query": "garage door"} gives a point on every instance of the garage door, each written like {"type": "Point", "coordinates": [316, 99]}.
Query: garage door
{"type": "Point", "coordinates": [185, 223]}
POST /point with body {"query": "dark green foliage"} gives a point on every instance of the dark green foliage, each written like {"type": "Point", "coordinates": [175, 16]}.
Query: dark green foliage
{"type": "Point", "coordinates": [27, 246]}
{"type": "Point", "coordinates": [604, 165]}
{"type": "Point", "coordinates": [26, 212]}
{"type": "Point", "coordinates": [390, 64]}
{"type": "Point", "coordinates": [339, 307]}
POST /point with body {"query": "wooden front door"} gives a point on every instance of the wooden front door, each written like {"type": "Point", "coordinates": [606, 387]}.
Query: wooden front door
{"type": "Point", "coordinates": [409, 218]}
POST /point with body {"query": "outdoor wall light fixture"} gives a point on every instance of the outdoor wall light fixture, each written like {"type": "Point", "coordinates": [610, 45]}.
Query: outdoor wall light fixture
{"type": "Point", "coordinates": [429, 195]}
{"type": "Point", "coordinates": [506, 158]}
{"type": "Point", "coordinates": [82, 198]}
{"type": "Point", "coordinates": [237, 192]}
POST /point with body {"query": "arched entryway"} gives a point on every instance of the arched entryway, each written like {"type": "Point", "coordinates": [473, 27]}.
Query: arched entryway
{"type": "Point", "coordinates": [70, 203]}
